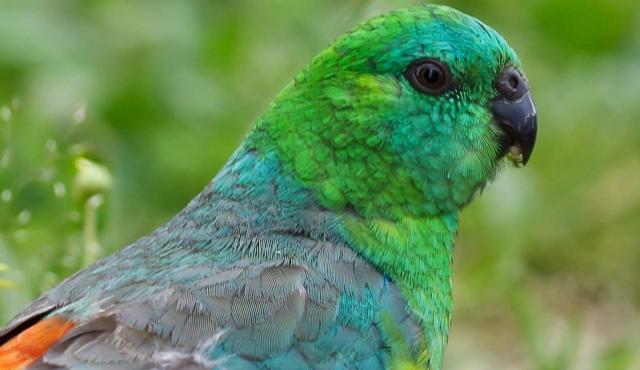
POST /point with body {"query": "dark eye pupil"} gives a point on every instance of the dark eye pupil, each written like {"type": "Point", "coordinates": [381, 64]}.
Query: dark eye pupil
{"type": "Point", "coordinates": [432, 75]}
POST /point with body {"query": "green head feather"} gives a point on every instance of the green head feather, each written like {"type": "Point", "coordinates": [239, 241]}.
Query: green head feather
{"type": "Point", "coordinates": [352, 127]}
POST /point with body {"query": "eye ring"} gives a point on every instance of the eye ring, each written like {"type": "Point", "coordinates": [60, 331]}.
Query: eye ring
{"type": "Point", "coordinates": [429, 76]}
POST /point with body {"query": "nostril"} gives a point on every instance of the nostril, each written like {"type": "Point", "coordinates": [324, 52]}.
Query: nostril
{"type": "Point", "coordinates": [514, 82]}
{"type": "Point", "coordinates": [510, 84]}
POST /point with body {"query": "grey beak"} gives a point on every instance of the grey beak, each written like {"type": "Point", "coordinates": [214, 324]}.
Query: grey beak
{"type": "Point", "coordinates": [515, 112]}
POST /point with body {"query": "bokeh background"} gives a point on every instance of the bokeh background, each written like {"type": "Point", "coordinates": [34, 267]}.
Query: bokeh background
{"type": "Point", "coordinates": [113, 114]}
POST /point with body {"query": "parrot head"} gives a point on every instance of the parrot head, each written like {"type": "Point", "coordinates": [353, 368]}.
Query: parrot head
{"type": "Point", "coordinates": [411, 112]}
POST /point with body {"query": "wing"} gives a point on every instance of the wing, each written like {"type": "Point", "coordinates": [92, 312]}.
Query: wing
{"type": "Point", "coordinates": [277, 314]}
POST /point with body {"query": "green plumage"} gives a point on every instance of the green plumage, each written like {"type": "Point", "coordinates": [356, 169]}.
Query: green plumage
{"type": "Point", "coordinates": [326, 240]}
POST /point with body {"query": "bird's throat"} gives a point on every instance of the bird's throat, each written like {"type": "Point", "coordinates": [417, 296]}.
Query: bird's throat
{"type": "Point", "coordinates": [416, 254]}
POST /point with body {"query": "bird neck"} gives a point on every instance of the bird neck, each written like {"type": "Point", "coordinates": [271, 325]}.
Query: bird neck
{"type": "Point", "coordinates": [416, 254]}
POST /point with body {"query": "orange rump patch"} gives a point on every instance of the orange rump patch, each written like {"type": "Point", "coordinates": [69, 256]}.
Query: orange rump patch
{"type": "Point", "coordinates": [28, 346]}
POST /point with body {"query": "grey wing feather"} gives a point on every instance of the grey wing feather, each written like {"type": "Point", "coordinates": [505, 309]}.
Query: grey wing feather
{"type": "Point", "coordinates": [256, 312]}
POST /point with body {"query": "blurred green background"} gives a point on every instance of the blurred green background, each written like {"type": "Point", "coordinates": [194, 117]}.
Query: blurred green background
{"type": "Point", "coordinates": [113, 114]}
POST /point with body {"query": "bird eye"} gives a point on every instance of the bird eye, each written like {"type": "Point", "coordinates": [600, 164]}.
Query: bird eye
{"type": "Point", "coordinates": [429, 76]}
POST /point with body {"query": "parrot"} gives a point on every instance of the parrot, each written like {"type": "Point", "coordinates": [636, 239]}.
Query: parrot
{"type": "Point", "coordinates": [326, 240]}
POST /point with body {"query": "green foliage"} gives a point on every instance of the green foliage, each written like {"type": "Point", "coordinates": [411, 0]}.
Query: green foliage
{"type": "Point", "coordinates": [157, 94]}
